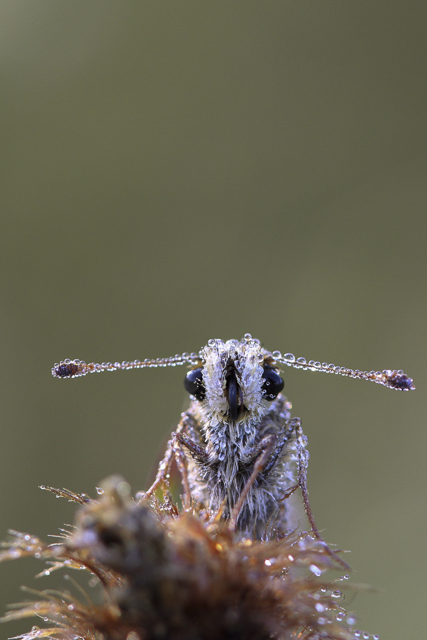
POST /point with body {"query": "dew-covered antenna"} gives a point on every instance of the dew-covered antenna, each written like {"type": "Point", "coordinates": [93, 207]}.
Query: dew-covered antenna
{"type": "Point", "coordinates": [393, 379]}
{"type": "Point", "coordinates": [388, 378]}
{"type": "Point", "coordinates": [77, 368]}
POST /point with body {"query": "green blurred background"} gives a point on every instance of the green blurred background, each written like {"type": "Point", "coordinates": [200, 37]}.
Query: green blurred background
{"type": "Point", "coordinates": [177, 171]}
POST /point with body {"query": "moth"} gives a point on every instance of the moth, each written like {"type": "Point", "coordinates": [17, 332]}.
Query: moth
{"type": "Point", "coordinates": [239, 451]}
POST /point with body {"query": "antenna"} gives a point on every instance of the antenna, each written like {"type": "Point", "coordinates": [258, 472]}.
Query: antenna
{"type": "Point", "coordinates": [390, 378]}
{"type": "Point", "coordinates": [77, 368]}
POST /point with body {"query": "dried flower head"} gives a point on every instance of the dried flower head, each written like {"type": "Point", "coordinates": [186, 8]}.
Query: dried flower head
{"type": "Point", "coordinates": [170, 574]}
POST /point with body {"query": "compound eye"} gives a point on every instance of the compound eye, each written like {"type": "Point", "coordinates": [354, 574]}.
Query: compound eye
{"type": "Point", "coordinates": [273, 383]}
{"type": "Point", "coordinates": [193, 383]}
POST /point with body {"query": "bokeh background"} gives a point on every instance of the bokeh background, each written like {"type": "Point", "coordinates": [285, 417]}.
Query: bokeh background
{"type": "Point", "coordinates": [177, 171]}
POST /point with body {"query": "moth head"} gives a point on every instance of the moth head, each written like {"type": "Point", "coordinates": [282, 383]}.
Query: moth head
{"type": "Point", "coordinates": [236, 381]}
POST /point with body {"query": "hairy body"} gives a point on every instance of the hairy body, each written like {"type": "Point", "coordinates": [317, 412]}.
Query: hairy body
{"type": "Point", "coordinates": [217, 482]}
{"type": "Point", "coordinates": [242, 449]}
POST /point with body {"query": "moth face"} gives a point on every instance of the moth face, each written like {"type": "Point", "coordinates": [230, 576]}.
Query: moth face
{"type": "Point", "coordinates": [236, 381]}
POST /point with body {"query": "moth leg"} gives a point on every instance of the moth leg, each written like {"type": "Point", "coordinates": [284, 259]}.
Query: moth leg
{"type": "Point", "coordinates": [266, 453]}
{"type": "Point", "coordinates": [302, 454]}
{"type": "Point", "coordinates": [179, 440]}
{"type": "Point", "coordinates": [292, 427]}
{"type": "Point", "coordinates": [267, 448]}
{"type": "Point", "coordinates": [197, 451]}
{"type": "Point", "coordinates": [166, 462]}
{"type": "Point", "coordinates": [181, 462]}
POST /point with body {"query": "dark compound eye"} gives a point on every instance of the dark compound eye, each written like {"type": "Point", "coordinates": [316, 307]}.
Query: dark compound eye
{"type": "Point", "coordinates": [193, 383]}
{"type": "Point", "coordinates": [273, 383]}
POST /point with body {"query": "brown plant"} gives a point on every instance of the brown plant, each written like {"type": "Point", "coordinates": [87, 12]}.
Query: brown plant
{"type": "Point", "coordinates": [169, 573]}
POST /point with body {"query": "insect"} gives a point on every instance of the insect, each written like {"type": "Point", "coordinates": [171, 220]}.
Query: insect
{"type": "Point", "coordinates": [239, 451]}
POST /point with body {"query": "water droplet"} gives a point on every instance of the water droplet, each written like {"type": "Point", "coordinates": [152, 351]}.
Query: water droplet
{"type": "Point", "coordinates": [99, 491]}
{"type": "Point", "coordinates": [319, 607]}
{"type": "Point", "coordinates": [366, 636]}
{"type": "Point", "coordinates": [351, 620]}
{"type": "Point", "coordinates": [301, 361]}
{"type": "Point", "coordinates": [70, 607]}
{"type": "Point", "coordinates": [314, 569]}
